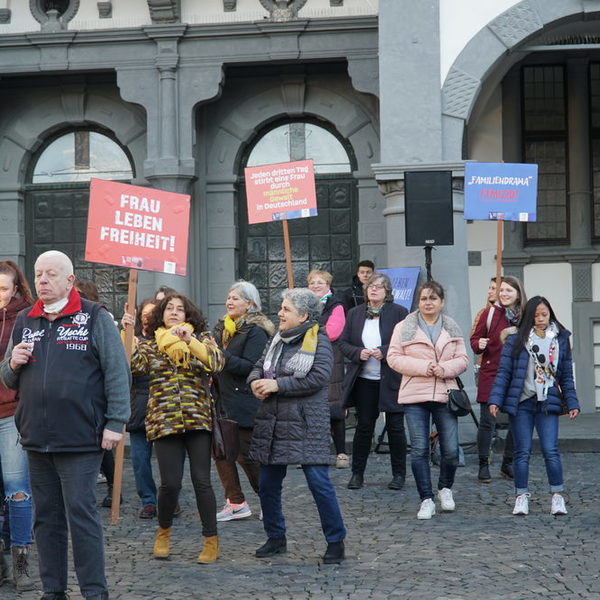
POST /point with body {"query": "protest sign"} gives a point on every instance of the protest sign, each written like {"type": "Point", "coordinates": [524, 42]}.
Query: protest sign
{"type": "Point", "coordinates": [404, 282]}
{"type": "Point", "coordinates": [501, 191]}
{"type": "Point", "coordinates": [137, 227]}
{"type": "Point", "coordinates": [281, 191]}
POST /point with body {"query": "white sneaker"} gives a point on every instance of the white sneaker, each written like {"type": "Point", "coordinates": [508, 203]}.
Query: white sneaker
{"type": "Point", "coordinates": [558, 505]}
{"type": "Point", "coordinates": [521, 505]}
{"type": "Point", "coordinates": [231, 511]}
{"type": "Point", "coordinates": [427, 509]}
{"type": "Point", "coordinates": [446, 499]}
{"type": "Point", "coordinates": [342, 461]}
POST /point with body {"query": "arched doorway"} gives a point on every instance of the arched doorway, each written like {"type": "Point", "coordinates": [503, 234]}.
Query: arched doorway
{"type": "Point", "coordinates": [327, 241]}
{"type": "Point", "coordinates": [56, 204]}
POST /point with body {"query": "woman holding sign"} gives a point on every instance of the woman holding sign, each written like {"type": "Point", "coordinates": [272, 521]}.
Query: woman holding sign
{"type": "Point", "coordinates": [180, 358]}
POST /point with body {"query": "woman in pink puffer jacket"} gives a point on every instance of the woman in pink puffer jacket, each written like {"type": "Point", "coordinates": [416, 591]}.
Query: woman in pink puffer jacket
{"type": "Point", "coordinates": [428, 349]}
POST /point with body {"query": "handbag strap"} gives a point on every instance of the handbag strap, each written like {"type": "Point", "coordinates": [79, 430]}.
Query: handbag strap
{"type": "Point", "coordinates": [459, 383]}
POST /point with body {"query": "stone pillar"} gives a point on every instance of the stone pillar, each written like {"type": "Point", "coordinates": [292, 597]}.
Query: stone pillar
{"type": "Point", "coordinates": [411, 139]}
{"type": "Point", "coordinates": [170, 93]}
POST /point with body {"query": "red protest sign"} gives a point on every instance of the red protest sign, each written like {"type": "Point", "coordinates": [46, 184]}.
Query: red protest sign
{"type": "Point", "coordinates": [137, 227]}
{"type": "Point", "coordinates": [281, 191]}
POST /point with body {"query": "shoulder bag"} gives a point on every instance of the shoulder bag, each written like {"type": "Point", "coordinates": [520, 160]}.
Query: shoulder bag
{"type": "Point", "coordinates": [458, 401]}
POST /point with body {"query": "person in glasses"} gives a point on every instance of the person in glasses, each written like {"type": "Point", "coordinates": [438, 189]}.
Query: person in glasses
{"type": "Point", "coordinates": [534, 385]}
{"type": "Point", "coordinates": [370, 385]}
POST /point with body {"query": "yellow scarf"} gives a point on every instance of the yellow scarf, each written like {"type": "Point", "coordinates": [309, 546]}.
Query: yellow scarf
{"type": "Point", "coordinates": [175, 348]}
{"type": "Point", "coordinates": [229, 328]}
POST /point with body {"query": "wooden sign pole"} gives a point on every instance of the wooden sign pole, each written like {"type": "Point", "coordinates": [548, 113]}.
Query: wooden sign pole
{"type": "Point", "coordinates": [288, 253]}
{"type": "Point", "coordinates": [499, 244]}
{"type": "Point", "coordinates": [129, 334]}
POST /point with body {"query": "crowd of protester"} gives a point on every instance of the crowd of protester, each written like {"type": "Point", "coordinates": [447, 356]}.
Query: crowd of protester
{"type": "Point", "coordinates": [288, 388]}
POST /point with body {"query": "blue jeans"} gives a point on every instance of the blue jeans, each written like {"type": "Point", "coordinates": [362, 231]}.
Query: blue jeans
{"type": "Point", "coordinates": [317, 477]}
{"type": "Point", "coordinates": [418, 420]}
{"type": "Point", "coordinates": [15, 476]}
{"type": "Point", "coordinates": [530, 415]}
{"type": "Point", "coordinates": [63, 485]}
{"type": "Point", "coordinates": [141, 460]}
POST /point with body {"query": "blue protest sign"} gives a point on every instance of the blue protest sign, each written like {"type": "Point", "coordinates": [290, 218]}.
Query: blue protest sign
{"type": "Point", "coordinates": [404, 282]}
{"type": "Point", "coordinates": [501, 191]}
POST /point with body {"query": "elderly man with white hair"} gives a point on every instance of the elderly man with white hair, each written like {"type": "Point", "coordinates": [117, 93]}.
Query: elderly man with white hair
{"type": "Point", "coordinates": [66, 359]}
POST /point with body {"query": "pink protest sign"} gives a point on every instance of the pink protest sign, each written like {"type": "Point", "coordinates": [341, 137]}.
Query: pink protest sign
{"type": "Point", "coordinates": [137, 227]}
{"type": "Point", "coordinates": [281, 191]}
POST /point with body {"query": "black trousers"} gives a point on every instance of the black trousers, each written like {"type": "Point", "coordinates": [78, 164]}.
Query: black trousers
{"type": "Point", "coordinates": [170, 453]}
{"type": "Point", "coordinates": [366, 399]}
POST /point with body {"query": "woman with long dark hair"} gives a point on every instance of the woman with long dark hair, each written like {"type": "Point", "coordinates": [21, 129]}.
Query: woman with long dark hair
{"type": "Point", "coordinates": [485, 340]}
{"type": "Point", "coordinates": [14, 297]}
{"type": "Point", "coordinates": [180, 358]}
{"type": "Point", "coordinates": [533, 384]}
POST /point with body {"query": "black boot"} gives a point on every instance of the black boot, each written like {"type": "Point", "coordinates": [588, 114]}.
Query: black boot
{"type": "Point", "coordinates": [272, 547]}
{"type": "Point", "coordinates": [356, 481]}
{"type": "Point", "coordinates": [397, 483]}
{"type": "Point", "coordinates": [55, 596]}
{"type": "Point", "coordinates": [3, 565]}
{"type": "Point", "coordinates": [484, 470]}
{"type": "Point", "coordinates": [506, 469]}
{"type": "Point", "coordinates": [334, 553]}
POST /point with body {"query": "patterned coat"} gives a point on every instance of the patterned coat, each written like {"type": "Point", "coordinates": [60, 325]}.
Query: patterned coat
{"type": "Point", "coordinates": [179, 398]}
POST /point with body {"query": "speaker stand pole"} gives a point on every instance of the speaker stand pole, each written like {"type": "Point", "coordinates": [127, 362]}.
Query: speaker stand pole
{"type": "Point", "coordinates": [428, 250]}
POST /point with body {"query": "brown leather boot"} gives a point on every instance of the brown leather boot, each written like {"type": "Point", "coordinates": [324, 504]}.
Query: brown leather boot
{"type": "Point", "coordinates": [161, 542]}
{"type": "Point", "coordinates": [210, 551]}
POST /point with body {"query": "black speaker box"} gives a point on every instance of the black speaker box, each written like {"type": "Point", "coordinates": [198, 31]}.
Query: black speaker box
{"type": "Point", "coordinates": [428, 208]}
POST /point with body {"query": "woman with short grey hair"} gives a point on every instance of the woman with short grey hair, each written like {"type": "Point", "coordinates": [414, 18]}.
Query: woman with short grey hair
{"type": "Point", "coordinates": [292, 423]}
{"type": "Point", "coordinates": [249, 293]}
{"type": "Point", "coordinates": [304, 301]}
{"type": "Point", "coordinates": [241, 334]}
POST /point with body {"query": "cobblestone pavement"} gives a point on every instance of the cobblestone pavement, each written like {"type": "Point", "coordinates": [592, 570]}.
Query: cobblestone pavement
{"type": "Point", "coordinates": [480, 551]}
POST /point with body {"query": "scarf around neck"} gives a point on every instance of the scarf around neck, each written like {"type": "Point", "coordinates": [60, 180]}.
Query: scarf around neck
{"type": "Point", "coordinates": [175, 348]}
{"type": "Point", "coordinates": [513, 315]}
{"type": "Point", "coordinates": [544, 353]}
{"type": "Point", "coordinates": [301, 363]}
{"type": "Point", "coordinates": [374, 312]}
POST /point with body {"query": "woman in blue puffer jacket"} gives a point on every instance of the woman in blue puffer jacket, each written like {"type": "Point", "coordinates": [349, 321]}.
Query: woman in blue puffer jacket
{"type": "Point", "coordinates": [534, 385]}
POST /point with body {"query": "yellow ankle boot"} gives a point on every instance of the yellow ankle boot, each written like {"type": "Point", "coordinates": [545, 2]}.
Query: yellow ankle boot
{"type": "Point", "coordinates": [161, 542]}
{"type": "Point", "coordinates": [210, 551]}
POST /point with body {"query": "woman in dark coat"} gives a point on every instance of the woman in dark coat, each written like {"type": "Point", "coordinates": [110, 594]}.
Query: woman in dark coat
{"type": "Point", "coordinates": [292, 424]}
{"type": "Point", "coordinates": [333, 319]}
{"type": "Point", "coordinates": [241, 334]}
{"type": "Point", "coordinates": [370, 384]}
{"type": "Point", "coordinates": [534, 380]}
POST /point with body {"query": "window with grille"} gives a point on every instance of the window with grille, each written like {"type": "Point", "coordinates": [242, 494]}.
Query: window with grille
{"type": "Point", "coordinates": [545, 143]}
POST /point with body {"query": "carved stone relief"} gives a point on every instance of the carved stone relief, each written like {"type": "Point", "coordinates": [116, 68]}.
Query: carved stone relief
{"type": "Point", "coordinates": [517, 23]}
{"type": "Point", "coordinates": [458, 92]}
{"type": "Point", "coordinates": [283, 10]}
{"type": "Point", "coordinates": [164, 11]}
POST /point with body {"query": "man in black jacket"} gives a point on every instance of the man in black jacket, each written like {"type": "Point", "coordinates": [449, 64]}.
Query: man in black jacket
{"type": "Point", "coordinates": [355, 294]}
{"type": "Point", "coordinates": [68, 363]}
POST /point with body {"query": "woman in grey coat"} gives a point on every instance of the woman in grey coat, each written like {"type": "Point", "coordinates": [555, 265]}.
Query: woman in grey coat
{"type": "Point", "coordinates": [292, 423]}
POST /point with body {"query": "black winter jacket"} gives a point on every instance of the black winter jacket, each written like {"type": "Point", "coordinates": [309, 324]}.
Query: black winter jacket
{"type": "Point", "coordinates": [354, 295]}
{"type": "Point", "coordinates": [242, 353]}
{"type": "Point", "coordinates": [351, 344]}
{"type": "Point", "coordinates": [292, 426]}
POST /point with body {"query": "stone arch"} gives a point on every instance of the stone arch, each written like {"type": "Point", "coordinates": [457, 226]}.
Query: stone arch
{"type": "Point", "coordinates": [488, 52]}
{"type": "Point", "coordinates": [32, 120]}
{"type": "Point", "coordinates": [344, 113]}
